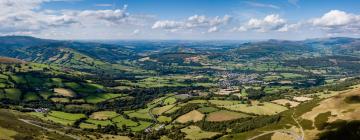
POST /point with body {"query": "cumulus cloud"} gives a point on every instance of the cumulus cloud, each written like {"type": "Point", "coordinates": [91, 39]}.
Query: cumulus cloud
{"type": "Point", "coordinates": [192, 22]}
{"type": "Point", "coordinates": [336, 21]}
{"type": "Point", "coordinates": [213, 29]}
{"type": "Point", "coordinates": [27, 16]}
{"type": "Point", "coordinates": [21, 16]}
{"type": "Point", "coordinates": [271, 22]}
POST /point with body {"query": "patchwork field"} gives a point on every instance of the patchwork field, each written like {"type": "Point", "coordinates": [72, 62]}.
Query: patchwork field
{"type": "Point", "coordinates": [191, 116]}
{"type": "Point", "coordinates": [207, 109]}
{"type": "Point", "coordinates": [265, 108]}
{"type": "Point", "coordinates": [63, 118]}
{"type": "Point", "coordinates": [302, 99]}
{"type": "Point", "coordinates": [161, 110]}
{"type": "Point", "coordinates": [64, 92]}
{"type": "Point", "coordinates": [286, 102]}
{"type": "Point", "coordinates": [120, 121]}
{"type": "Point", "coordinates": [103, 115]}
{"type": "Point", "coordinates": [224, 115]}
{"type": "Point", "coordinates": [12, 128]}
{"type": "Point", "coordinates": [195, 133]}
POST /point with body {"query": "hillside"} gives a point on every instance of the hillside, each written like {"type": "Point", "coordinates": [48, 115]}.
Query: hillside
{"type": "Point", "coordinates": [193, 90]}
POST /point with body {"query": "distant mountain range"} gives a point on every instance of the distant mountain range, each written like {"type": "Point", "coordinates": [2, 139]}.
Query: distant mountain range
{"type": "Point", "coordinates": [89, 54]}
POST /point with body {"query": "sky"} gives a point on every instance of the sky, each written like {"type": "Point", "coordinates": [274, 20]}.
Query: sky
{"type": "Point", "coordinates": [180, 19]}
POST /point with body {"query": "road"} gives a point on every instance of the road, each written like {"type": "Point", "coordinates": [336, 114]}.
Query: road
{"type": "Point", "coordinates": [50, 130]}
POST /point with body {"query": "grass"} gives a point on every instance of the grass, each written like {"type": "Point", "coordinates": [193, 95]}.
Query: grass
{"type": "Point", "coordinates": [120, 120]}
{"type": "Point", "coordinates": [72, 85]}
{"type": "Point", "coordinates": [137, 114]}
{"type": "Point", "coordinates": [97, 98]}
{"type": "Point", "coordinates": [31, 96]}
{"type": "Point", "coordinates": [195, 133]}
{"type": "Point", "coordinates": [172, 110]}
{"type": "Point", "coordinates": [143, 125]}
{"type": "Point", "coordinates": [87, 126]}
{"type": "Point", "coordinates": [169, 100]}
{"type": "Point", "coordinates": [66, 116]}
{"type": "Point", "coordinates": [284, 123]}
{"type": "Point", "coordinates": [46, 95]}
{"type": "Point", "coordinates": [60, 100]}
{"type": "Point", "coordinates": [306, 124]}
{"type": "Point", "coordinates": [99, 122]}
{"type": "Point", "coordinates": [86, 107]}
{"type": "Point", "coordinates": [59, 120]}
{"type": "Point", "coordinates": [291, 75]}
{"type": "Point", "coordinates": [193, 116]}
{"type": "Point", "coordinates": [265, 109]}
{"type": "Point", "coordinates": [2, 76]}
{"type": "Point", "coordinates": [57, 82]}
{"type": "Point", "coordinates": [34, 81]}
{"type": "Point", "coordinates": [7, 134]}
{"type": "Point", "coordinates": [224, 115]}
{"type": "Point", "coordinates": [13, 94]}
{"type": "Point", "coordinates": [161, 110]}
{"type": "Point", "coordinates": [103, 115]}
{"type": "Point", "coordinates": [64, 92]}
{"type": "Point", "coordinates": [271, 78]}
{"type": "Point", "coordinates": [207, 109]}
{"type": "Point", "coordinates": [164, 119]}
{"type": "Point", "coordinates": [321, 120]}
{"type": "Point", "coordinates": [18, 79]}
{"type": "Point", "coordinates": [10, 123]}
{"type": "Point", "coordinates": [198, 101]}
{"type": "Point", "coordinates": [224, 102]}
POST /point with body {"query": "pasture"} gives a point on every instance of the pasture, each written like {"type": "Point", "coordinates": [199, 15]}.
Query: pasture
{"type": "Point", "coordinates": [103, 115]}
{"type": "Point", "coordinates": [193, 116]}
{"type": "Point", "coordinates": [64, 92]}
{"type": "Point", "coordinates": [224, 115]}
{"type": "Point", "coordinates": [195, 133]}
{"type": "Point", "coordinates": [265, 108]}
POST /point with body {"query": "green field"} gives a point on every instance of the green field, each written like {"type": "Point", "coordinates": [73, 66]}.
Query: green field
{"type": "Point", "coordinates": [31, 96]}
{"type": "Point", "coordinates": [265, 109]}
{"type": "Point", "coordinates": [195, 133]}
{"type": "Point", "coordinates": [163, 119]}
{"type": "Point", "coordinates": [120, 121]}
{"type": "Point", "coordinates": [66, 116]}
{"type": "Point", "coordinates": [161, 110]}
{"type": "Point", "coordinates": [13, 94]}
{"type": "Point", "coordinates": [169, 100]}
{"type": "Point", "coordinates": [143, 125]}
{"type": "Point", "coordinates": [224, 115]}
{"type": "Point", "coordinates": [207, 109]}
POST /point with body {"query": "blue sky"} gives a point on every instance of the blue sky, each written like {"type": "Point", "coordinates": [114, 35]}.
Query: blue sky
{"type": "Point", "coordinates": [181, 19]}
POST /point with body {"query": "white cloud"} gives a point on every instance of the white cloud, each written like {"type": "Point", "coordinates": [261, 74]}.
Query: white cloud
{"type": "Point", "coordinates": [136, 32]}
{"type": "Point", "coordinates": [26, 16]}
{"type": "Point", "coordinates": [213, 29]}
{"type": "Point", "coordinates": [112, 16]}
{"type": "Point", "coordinates": [17, 16]}
{"type": "Point", "coordinates": [336, 21]}
{"type": "Point", "coordinates": [192, 22]}
{"type": "Point", "coordinates": [271, 22]}
{"type": "Point", "coordinates": [262, 5]}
